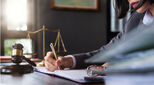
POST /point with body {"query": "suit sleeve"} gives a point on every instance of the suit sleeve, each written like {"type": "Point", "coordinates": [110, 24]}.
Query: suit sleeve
{"type": "Point", "coordinates": [80, 58]}
{"type": "Point", "coordinates": [132, 23]}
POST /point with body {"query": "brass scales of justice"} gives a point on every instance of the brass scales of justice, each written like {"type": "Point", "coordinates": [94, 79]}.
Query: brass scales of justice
{"type": "Point", "coordinates": [57, 41]}
{"type": "Point", "coordinates": [17, 55]}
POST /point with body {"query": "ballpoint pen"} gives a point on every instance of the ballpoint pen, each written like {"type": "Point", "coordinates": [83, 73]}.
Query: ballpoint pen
{"type": "Point", "coordinates": [54, 52]}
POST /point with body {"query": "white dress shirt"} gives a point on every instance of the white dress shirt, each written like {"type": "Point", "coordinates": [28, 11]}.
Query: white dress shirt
{"type": "Point", "coordinates": [148, 18]}
{"type": "Point", "coordinates": [73, 58]}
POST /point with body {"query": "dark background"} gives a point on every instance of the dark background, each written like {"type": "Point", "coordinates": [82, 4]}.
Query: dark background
{"type": "Point", "coordinates": [82, 31]}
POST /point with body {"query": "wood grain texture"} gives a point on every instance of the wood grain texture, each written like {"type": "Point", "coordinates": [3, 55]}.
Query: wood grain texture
{"type": "Point", "coordinates": [36, 78]}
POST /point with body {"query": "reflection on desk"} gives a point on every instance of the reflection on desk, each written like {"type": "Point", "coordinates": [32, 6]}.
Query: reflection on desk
{"type": "Point", "coordinates": [43, 79]}
{"type": "Point", "coordinates": [36, 79]}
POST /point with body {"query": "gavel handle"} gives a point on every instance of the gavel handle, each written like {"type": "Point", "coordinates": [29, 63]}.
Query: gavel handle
{"type": "Point", "coordinates": [29, 61]}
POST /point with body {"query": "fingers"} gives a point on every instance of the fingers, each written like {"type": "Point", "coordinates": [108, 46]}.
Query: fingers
{"type": "Point", "coordinates": [105, 65]}
{"type": "Point", "coordinates": [50, 67]}
{"type": "Point", "coordinates": [49, 55]}
{"type": "Point", "coordinates": [50, 62]}
{"type": "Point", "coordinates": [49, 58]}
{"type": "Point", "coordinates": [62, 62]}
{"type": "Point", "coordinates": [59, 61]}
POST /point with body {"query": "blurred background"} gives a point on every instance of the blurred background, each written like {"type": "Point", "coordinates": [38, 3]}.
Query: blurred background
{"type": "Point", "coordinates": [82, 30]}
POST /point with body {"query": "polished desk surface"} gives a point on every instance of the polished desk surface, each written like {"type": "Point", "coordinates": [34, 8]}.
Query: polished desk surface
{"type": "Point", "coordinates": [37, 78]}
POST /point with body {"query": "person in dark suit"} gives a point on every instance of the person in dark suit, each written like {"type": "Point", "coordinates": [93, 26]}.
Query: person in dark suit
{"type": "Point", "coordinates": [143, 13]}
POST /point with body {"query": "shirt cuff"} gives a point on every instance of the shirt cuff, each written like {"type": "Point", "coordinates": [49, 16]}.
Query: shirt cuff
{"type": "Point", "coordinates": [74, 60]}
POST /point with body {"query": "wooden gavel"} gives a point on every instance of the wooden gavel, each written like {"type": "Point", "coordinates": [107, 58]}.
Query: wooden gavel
{"type": "Point", "coordinates": [17, 55]}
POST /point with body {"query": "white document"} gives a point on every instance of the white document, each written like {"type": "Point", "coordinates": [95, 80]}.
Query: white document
{"type": "Point", "coordinates": [74, 75]}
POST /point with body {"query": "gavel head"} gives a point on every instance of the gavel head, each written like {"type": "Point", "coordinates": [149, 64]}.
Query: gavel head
{"type": "Point", "coordinates": [17, 53]}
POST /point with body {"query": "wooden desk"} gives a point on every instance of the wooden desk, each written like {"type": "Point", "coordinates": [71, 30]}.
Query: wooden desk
{"type": "Point", "coordinates": [35, 78]}
{"type": "Point", "coordinates": [43, 79]}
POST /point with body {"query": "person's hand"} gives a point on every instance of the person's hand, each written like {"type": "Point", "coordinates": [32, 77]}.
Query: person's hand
{"type": "Point", "coordinates": [105, 65]}
{"type": "Point", "coordinates": [92, 68]}
{"type": "Point", "coordinates": [62, 62]}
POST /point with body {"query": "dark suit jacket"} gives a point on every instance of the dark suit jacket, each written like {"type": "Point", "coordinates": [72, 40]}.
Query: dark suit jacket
{"type": "Point", "coordinates": [133, 22]}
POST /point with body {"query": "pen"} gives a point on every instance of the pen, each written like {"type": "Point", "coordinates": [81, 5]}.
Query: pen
{"type": "Point", "coordinates": [54, 52]}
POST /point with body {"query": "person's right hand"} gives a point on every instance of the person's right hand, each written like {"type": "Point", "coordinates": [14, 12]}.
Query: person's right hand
{"type": "Point", "coordinates": [62, 62]}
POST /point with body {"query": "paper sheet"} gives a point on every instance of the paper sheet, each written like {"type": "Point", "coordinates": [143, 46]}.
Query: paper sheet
{"type": "Point", "coordinates": [74, 75]}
